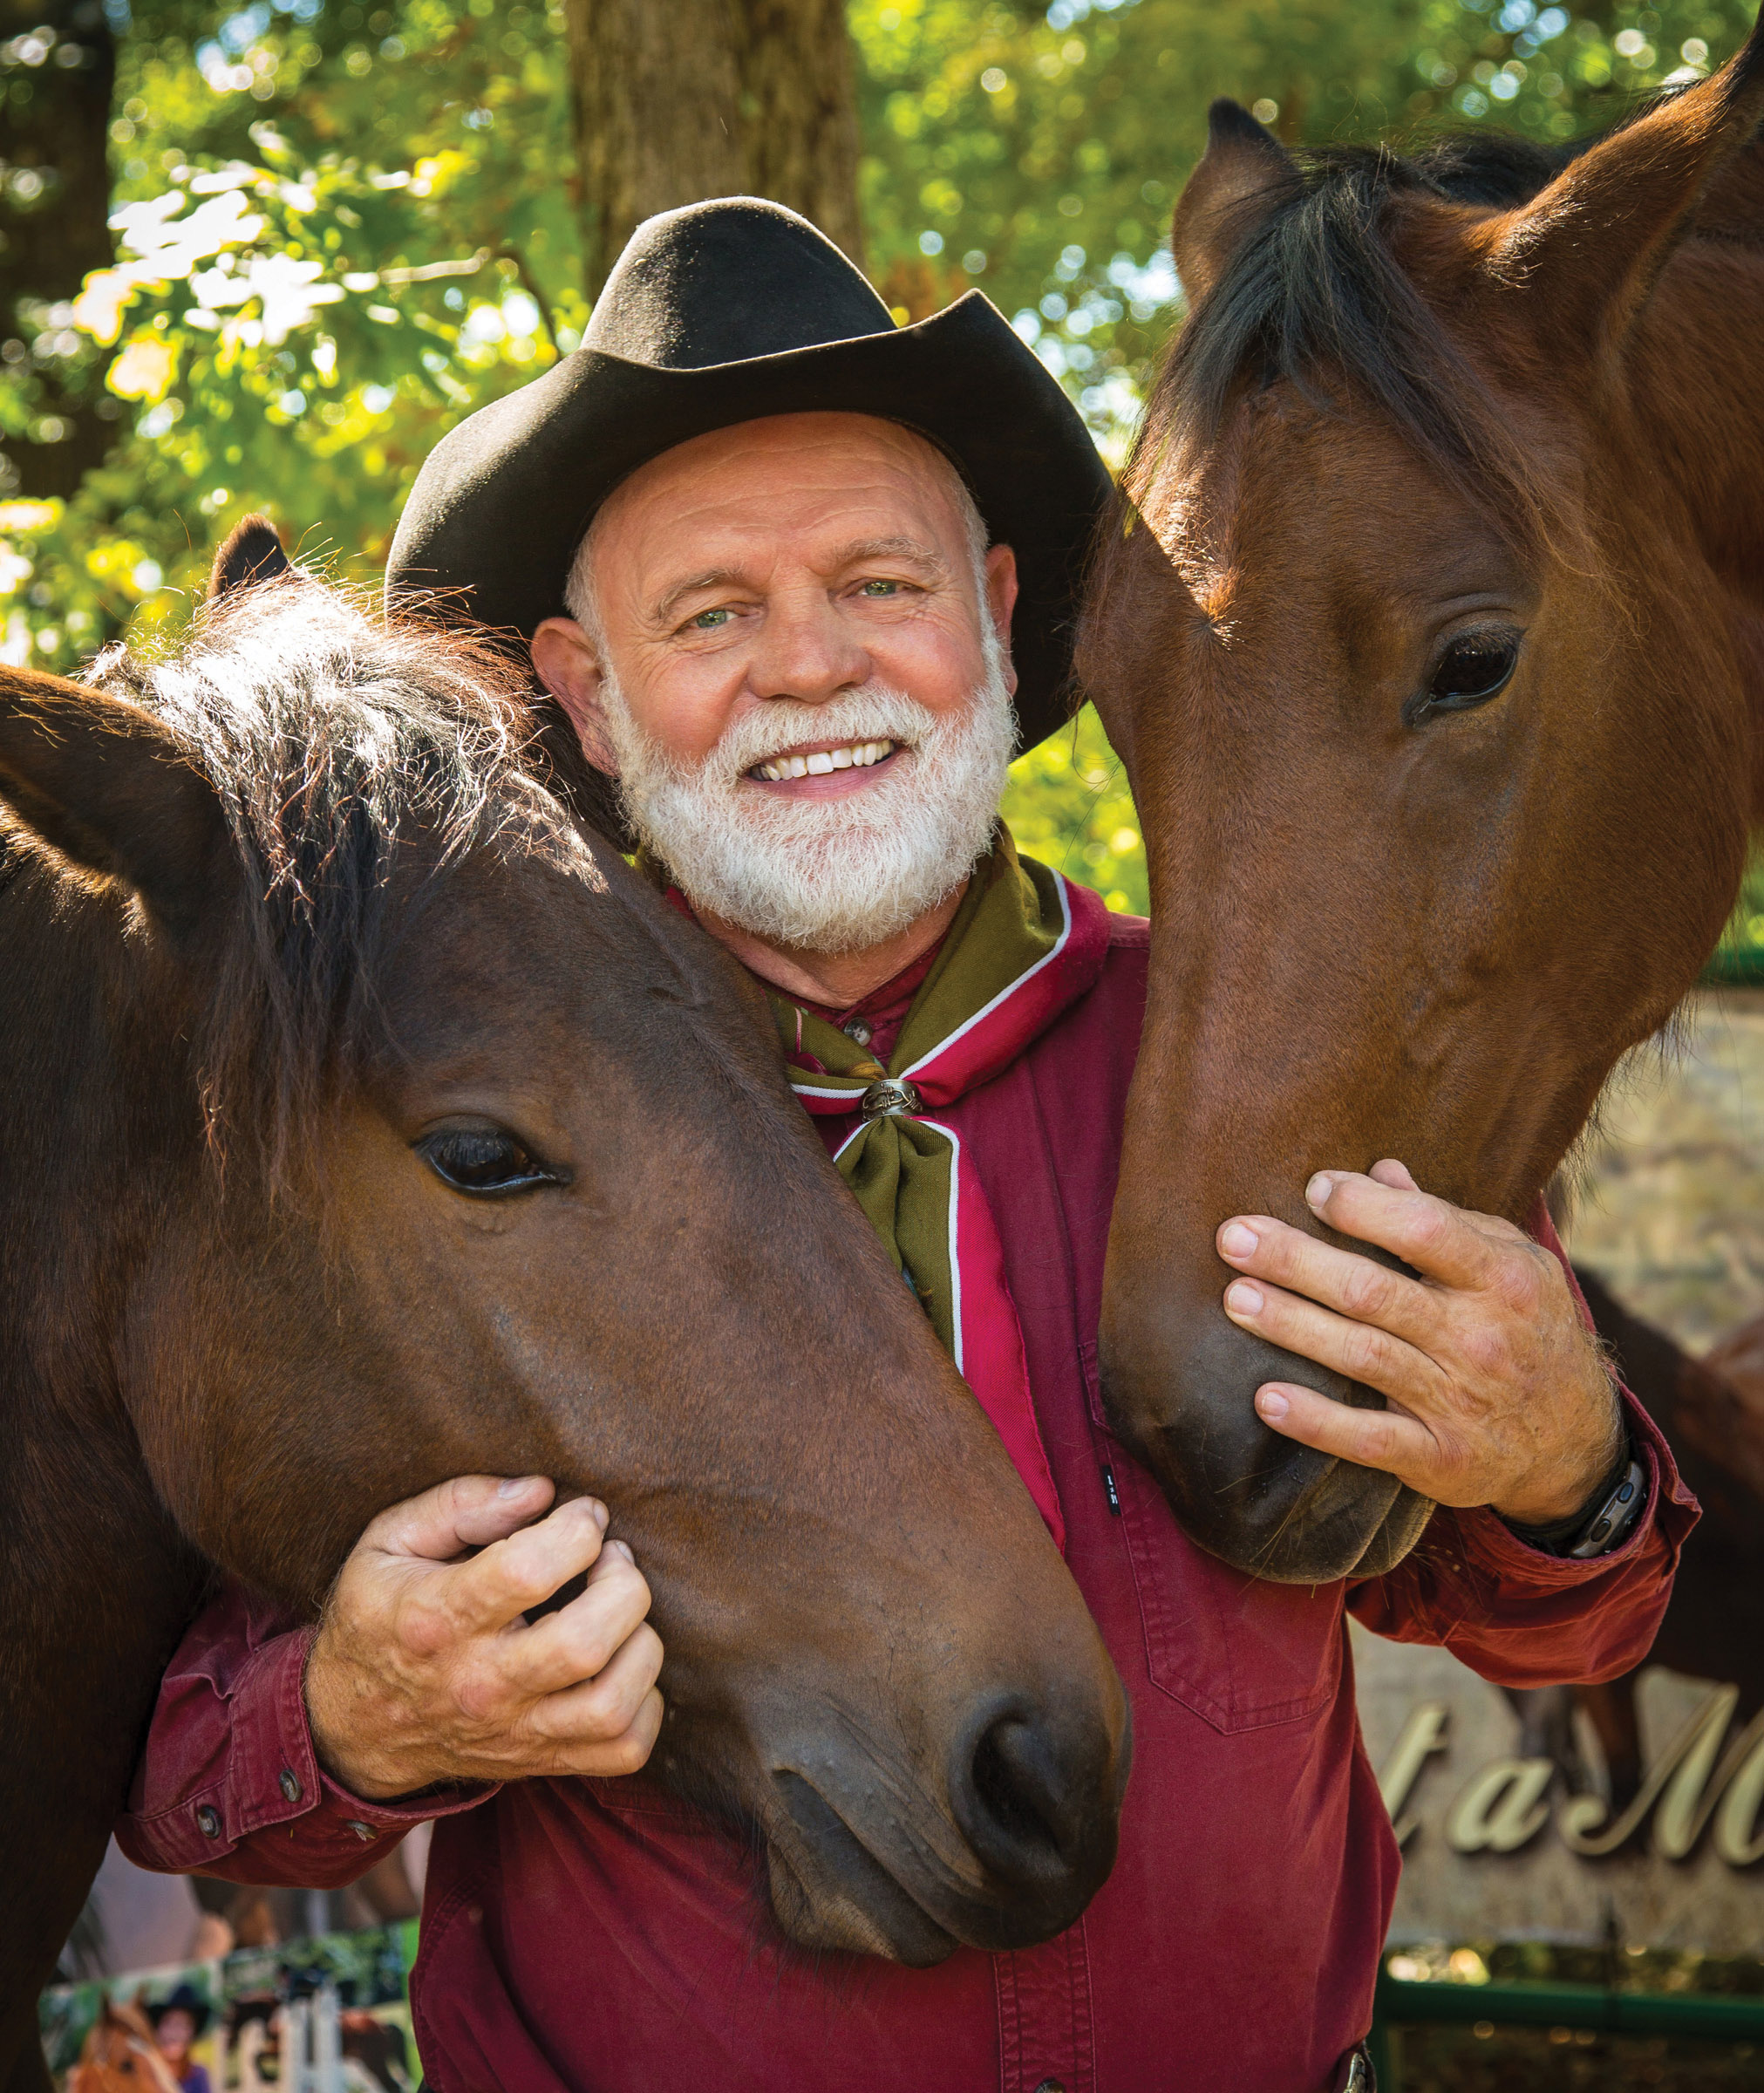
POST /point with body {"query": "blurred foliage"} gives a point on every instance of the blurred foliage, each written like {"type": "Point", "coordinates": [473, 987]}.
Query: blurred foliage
{"type": "Point", "coordinates": [338, 228]}
{"type": "Point", "coordinates": [1068, 804]}
{"type": "Point", "coordinates": [1738, 960]}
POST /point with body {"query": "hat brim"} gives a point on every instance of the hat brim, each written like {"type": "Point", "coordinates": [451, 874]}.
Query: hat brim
{"type": "Point", "coordinates": [505, 499]}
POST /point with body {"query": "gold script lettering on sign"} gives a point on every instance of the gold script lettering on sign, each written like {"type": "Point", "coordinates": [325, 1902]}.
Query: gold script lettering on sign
{"type": "Point", "coordinates": [1502, 1808]}
{"type": "Point", "coordinates": [1422, 1734]}
{"type": "Point", "coordinates": [1737, 1818]}
{"type": "Point", "coordinates": [1678, 1780]}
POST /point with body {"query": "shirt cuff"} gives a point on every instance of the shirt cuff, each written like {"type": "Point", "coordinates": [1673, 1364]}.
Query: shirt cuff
{"type": "Point", "coordinates": [270, 1778]}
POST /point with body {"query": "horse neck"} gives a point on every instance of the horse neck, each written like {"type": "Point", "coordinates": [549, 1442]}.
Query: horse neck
{"type": "Point", "coordinates": [1697, 393]}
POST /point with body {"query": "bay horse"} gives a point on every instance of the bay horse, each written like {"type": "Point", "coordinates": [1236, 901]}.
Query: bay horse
{"type": "Point", "coordinates": [367, 1121]}
{"type": "Point", "coordinates": [1431, 633]}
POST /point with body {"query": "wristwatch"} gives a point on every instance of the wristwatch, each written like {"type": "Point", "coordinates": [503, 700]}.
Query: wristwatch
{"type": "Point", "coordinates": [1603, 1527]}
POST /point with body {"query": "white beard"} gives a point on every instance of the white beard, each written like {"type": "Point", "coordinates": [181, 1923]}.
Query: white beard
{"type": "Point", "coordinates": [825, 875]}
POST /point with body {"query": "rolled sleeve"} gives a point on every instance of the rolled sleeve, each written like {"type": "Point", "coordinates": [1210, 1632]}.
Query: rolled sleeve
{"type": "Point", "coordinates": [229, 1783]}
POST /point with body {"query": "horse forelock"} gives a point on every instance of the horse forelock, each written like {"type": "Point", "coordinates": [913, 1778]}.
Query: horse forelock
{"type": "Point", "coordinates": [1319, 297]}
{"type": "Point", "coordinates": [356, 760]}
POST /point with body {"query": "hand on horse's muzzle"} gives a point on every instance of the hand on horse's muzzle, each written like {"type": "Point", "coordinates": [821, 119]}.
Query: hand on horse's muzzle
{"type": "Point", "coordinates": [1495, 1389]}
{"type": "Point", "coordinates": [425, 1669]}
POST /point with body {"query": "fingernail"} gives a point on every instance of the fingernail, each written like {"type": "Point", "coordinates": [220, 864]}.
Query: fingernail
{"type": "Point", "coordinates": [1271, 1404]}
{"type": "Point", "coordinates": [1237, 1241]}
{"type": "Point", "coordinates": [623, 1547]}
{"type": "Point", "coordinates": [598, 1512]}
{"type": "Point", "coordinates": [1317, 1192]}
{"type": "Point", "coordinates": [1243, 1298]}
{"type": "Point", "coordinates": [514, 1486]}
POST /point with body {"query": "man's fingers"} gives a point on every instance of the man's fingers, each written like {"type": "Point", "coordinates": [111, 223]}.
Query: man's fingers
{"type": "Point", "coordinates": [1356, 1350]}
{"type": "Point", "coordinates": [1437, 1239]}
{"type": "Point", "coordinates": [626, 1753]}
{"type": "Point", "coordinates": [600, 1709]}
{"type": "Point", "coordinates": [581, 1639]}
{"type": "Point", "coordinates": [470, 1512]}
{"type": "Point", "coordinates": [1384, 1439]}
{"type": "Point", "coordinates": [1358, 1287]}
{"type": "Point", "coordinates": [512, 1575]}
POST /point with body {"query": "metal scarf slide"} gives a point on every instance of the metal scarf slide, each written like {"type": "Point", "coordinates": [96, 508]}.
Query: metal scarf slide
{"type": "Point", "coordinates": [1025, 945]}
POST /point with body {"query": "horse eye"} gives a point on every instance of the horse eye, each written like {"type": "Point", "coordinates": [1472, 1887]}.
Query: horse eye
{"type": "Point", "coordinates": [486, 1163]}
{"type": "Point", "coordinates": [1476, 667]}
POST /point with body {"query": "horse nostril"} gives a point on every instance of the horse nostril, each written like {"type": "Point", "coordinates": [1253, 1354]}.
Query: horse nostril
{"type": "Point", "coordinates": [1018, 1804]}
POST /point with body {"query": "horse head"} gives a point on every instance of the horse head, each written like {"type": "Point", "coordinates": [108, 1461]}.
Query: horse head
{"type": "Point", "coordinates": [1431, 632]}
{"type": "Point", "coordinates": [432, 1140]}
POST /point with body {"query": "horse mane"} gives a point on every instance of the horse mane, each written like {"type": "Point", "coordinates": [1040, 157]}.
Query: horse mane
{"type": "Point", "coordinates": [343, 746]}
{"type": "Point", "coordinates": [1317, 295]}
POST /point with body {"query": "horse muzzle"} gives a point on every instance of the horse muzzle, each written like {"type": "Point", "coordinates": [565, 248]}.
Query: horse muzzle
{"type": "Point", "coordinates": [1180, 1396]}
{"type": "Point", "coordinates": [863, 1860]}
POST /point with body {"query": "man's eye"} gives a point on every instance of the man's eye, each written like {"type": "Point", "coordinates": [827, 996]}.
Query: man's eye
{"type": "Point", "coordinates": [485, 1163]}
{"type": "Point", "coordinates": [882, 589]}
{"type": "Point", "coordinates": [709, 621]}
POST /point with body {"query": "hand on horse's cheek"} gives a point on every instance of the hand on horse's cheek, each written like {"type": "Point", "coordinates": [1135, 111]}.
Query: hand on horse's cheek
{"type": "Point", "coordinates": [425, 1670]}
{"type": "Point", "coordinates": [1496, 1391]}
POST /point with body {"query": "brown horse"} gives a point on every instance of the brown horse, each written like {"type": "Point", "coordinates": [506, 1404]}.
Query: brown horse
{"type": "Point", "coordinates": [367, 1123]}
{"type": "Point", "coordinates": [1433, 638]}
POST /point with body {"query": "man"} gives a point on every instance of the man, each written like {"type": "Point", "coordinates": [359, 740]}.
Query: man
{"type": "Point", "coordinates": [809, 564]}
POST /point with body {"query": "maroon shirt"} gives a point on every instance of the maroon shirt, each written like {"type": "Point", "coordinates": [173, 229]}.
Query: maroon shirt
{"type": "Point", "coordinates": [600, 1935]}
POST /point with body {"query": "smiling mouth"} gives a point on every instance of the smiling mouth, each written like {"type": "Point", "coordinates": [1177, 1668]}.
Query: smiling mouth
{"type": "Point", "coordinates": [822, 762]}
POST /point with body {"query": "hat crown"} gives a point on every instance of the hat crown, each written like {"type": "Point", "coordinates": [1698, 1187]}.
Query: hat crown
{"type": "Point", "coordinates": [727, 281]}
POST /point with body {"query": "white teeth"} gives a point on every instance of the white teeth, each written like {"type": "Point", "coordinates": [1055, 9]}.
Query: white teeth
{"type": "Point", "coordinates": [857, 755]}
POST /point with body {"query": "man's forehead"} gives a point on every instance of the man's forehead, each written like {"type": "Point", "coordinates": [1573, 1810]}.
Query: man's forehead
{"type": "Point", "coordinates": [832, 473]}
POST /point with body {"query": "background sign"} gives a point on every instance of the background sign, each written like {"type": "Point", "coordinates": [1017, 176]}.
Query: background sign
{"type": "Point", "coordinates": [1497, 1847]}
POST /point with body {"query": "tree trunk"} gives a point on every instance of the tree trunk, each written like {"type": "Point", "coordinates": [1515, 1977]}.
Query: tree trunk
{"type": "Point", "coordinates": [711, 97]}
{"type": "Point", "coordinates": [54, 227]}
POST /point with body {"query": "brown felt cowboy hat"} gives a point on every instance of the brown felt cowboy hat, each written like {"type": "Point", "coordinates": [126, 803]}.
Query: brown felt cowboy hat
{"type": "Point", "coordinates": [721, 313]}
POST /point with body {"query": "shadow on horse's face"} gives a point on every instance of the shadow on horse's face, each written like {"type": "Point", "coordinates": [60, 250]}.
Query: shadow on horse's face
{"type": "Point", "coordinates": [558, 1213]}
{"type": "Point", "coordinates": [1425, 641]}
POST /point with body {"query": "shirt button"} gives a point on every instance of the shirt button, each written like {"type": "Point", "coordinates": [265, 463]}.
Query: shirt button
{"type": "Point", "coordinates": [854, 1028]}
{"type": "Point", "coordinates": [1050, 2085]}
{"type": "Point", "coordinates": [288, 1783]}
{"type": "Point", "coordinates": [362, 1831]}
{"type": "Point", "coordinates": [207, 1821]}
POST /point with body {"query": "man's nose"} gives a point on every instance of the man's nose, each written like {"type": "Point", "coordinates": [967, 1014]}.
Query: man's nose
{"type": "Point", "coordinates": [806, 651]}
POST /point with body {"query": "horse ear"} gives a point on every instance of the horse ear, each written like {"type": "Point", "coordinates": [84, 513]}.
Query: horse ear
{"type": "Point", "coordinates": [1244, 173]}
{"type": "Point", "coordinates": [103, 783]}
{"type": "Point", "coordinates": [1588, 247]}
{"type": "Point", "coordinates": [252, 553]}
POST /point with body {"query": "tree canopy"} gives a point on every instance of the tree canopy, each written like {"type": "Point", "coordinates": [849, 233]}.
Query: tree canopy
{"type": "Point", "coordinates": [265, 256]}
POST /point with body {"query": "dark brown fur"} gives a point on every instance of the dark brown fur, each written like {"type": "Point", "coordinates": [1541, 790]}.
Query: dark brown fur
{"type": "Point", "coordinates": [257, 935]}
{"type": "Point", "coordinates": [1411, 392]}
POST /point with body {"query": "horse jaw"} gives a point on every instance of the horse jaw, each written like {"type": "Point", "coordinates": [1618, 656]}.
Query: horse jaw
{"type": "Point", "coordinates": [1178, 1385]}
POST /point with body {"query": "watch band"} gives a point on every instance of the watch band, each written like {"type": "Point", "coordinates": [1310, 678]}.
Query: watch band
{"type": "Point", "coordinates": [1606, 1522]}
{"type": "Point", "coordinates": [1615, 1518]}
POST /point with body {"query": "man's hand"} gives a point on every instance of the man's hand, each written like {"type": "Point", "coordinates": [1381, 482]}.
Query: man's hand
{"type": "Point", "coordinates": [423, 1669]}
{"type": "Point", "coordinates": [1497, 1394]}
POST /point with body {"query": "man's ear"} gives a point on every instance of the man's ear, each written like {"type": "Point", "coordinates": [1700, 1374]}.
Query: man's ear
{"type": "Point", "coordinates": [1001, 601]}
{"type": "Point", "coordinates": [1586, 252]}
{"type": "Point", "coordinates": [1244, 175]}
{"type": "Point", "coordinates": [565, 660]}
{"type": "Point", "coordinates": [102, 782]}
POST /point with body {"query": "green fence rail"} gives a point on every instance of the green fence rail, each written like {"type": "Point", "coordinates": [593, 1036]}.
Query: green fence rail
{"type": "Point", "coordinates": [1402, 2003]}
